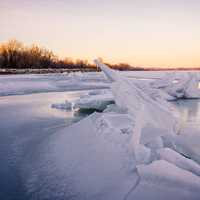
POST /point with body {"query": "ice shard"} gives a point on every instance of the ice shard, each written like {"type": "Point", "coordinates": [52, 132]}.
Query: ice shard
{"type": "Point", "coordinates": [144, 109]}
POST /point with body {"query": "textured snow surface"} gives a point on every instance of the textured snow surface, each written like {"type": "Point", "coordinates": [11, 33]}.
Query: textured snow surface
{"type": "Point", "coordinates": [83, 163]}
{"type": "Point", "coordinates": [129, 151]}
{"type": "Point", "coordinates": [92, 160]}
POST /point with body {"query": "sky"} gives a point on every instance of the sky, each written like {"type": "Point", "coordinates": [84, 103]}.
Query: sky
{"type": "Point", "coordinates": [154, 33]}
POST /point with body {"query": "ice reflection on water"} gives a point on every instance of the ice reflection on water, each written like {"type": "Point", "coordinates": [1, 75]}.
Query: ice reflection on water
{"type": "Point", "coordinates": [189, 112]}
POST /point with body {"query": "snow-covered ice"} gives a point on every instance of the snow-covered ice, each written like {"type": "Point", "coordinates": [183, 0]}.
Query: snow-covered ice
{"type": "Point", "coordinates": [92, 159]}
{"type": "Point", "coordinates": [147, 110]}
{"type": "Point", "coordinates": [27, 84]}
{"type": "Point", "coordinates": [179, 86]}
{"type": "Point", "coordinates": [94, 100]}
{"type": "Point", "coordinates": [179, 160]}
{"type": "Point", "coordinates": [163, 180]}
{"type": "Point", "coordinates": [82, 164]}
{"type": "Point", "coordinates": [140, 105]}
{"type": "Point", "coordinates": [137, 147]}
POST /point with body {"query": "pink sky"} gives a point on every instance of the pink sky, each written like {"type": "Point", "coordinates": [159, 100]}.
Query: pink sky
{"type": "Point", "coordinates": [146, 33]}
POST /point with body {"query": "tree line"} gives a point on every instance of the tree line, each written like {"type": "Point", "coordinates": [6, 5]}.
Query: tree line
{"type": "Point", "coordinates": [16, 55]}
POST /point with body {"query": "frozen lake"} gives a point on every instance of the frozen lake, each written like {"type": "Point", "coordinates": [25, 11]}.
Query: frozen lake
{"type": "Point", "coordinates": [27, 120]}
{"type": "Point", "coordinates": [43, 157]}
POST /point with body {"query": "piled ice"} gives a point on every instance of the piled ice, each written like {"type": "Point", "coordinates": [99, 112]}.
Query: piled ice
{"type": "Point", "coordinates": [94, 100]}
{"type": "Point", "coordinates": [140, 105]}
{"type": "Point", "coordinates": [97, 100]}
{"type": "Point", "coordinates": [92, 159]}
{"type": "Point", "coordinates": [163, 173]}
{"type": "Point", "coordinates": [164, 81]}
{"type": "Point", "coordinates": [129, 151]}
{"type": "Point", "coordinates": [180, 161]}
{"type": "Point", "coordinates": [154, 129]}
{"type": "Point", "coordinates": [185, 85]}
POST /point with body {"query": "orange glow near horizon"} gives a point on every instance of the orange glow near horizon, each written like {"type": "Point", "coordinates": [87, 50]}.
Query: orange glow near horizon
{"type": "Point", "coordinates": [150, 60]}
{"type": "Point", "coordinates": [140, 33]}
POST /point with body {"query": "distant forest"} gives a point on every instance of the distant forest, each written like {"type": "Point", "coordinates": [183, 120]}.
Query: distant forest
{"type": "Point", "coordinates": [16, 55]}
